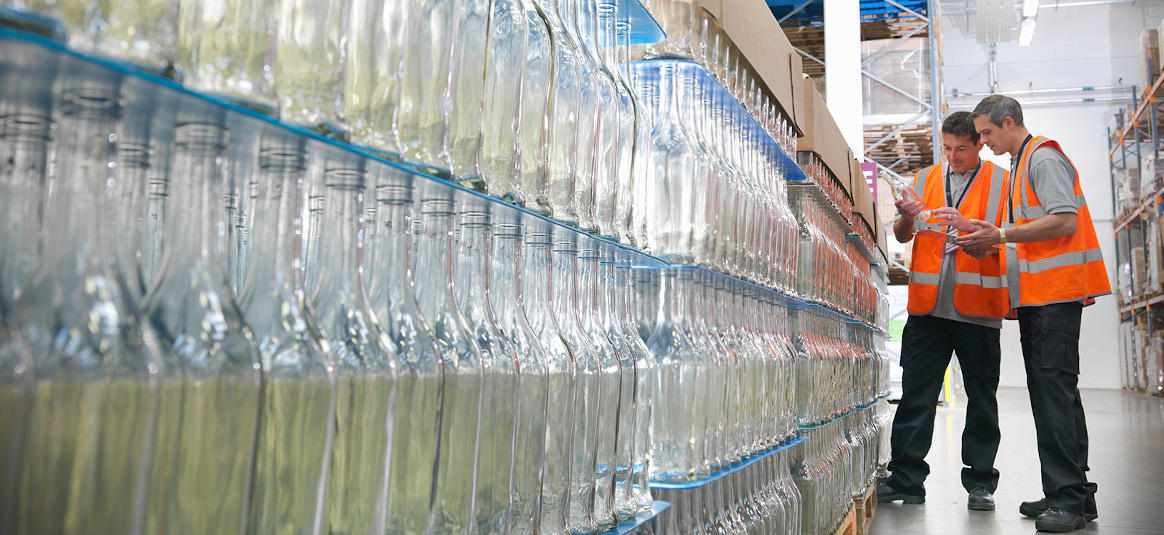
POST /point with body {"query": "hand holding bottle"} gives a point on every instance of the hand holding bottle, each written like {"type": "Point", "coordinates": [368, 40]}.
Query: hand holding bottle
{"type": "Point", "coordinates": [909, 208]}
{"type": "Point", "coordinates": [955, 219]}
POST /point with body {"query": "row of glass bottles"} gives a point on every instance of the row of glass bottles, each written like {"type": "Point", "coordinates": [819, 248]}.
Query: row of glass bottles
{"type": "Point", "coordinates": [863, 298]}
{"type": "Point", "coordinates": [839, 366]}
{"type": "Point", "coordinates": [715, 191]}
{"type": "Point", "coordinates": [725, 371]}
{"type": "Point", "coordinates": [823, 472]}
{"type": "Point", "coordinates": [529, 100]}
{"type": "Point", "coordinates": [760, 498]}
{"type": "Point", "coordinates": [825, 273]}
{"type": "Point", "coordinates": [191, 343]}
{"type": "Point", "coordinates": [693, 35]}
{"type": "Point", "coordinates": [818, 173]}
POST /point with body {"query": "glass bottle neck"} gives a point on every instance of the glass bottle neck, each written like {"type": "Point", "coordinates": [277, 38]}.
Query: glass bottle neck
{"type": "Point", "coordinates": [196, 228]}
{"type": "Point", "coordinates": [434, 254]}
{"type": "Point", "coordinates": [276, 256]}
{"type": "Point", "coordinates": [506, 279]}
{"type": "Point", "coordinates": [565, 291]}
{"type": "Point", "coordinates": [340, 246]}
{"type": "Point", "coordinates": [472, 267]}
{"type": "Point", "coordinates": [587, 286]}
{"type": "Point", "coordinates": [392, 252]}
{"type": "Point", "coordinates": [537, 294]}
{"type": "Point", "coordinates": [85, 162]}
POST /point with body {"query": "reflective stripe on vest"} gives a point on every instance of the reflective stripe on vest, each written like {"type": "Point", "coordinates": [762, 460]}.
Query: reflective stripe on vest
{"type": "Point", "coordinates": [1065, 269]}
{"type": "Point", "coordinates": [979, 285]}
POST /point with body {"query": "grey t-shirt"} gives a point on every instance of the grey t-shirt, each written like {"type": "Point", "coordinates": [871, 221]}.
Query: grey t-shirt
{"type": "Point", "coordinates": [944, 306]}
{"type": "Point", "coordinates": [1053, 178]}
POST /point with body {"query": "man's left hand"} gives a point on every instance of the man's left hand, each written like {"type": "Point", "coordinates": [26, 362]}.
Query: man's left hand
{"type": "Point", "coordinates": [980, 243]}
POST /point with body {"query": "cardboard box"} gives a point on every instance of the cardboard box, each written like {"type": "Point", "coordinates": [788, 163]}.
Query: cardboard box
{"type": "Point", "coordinates": [1150, 60]}
{"type": "Point", "coordinates": [713, 8]}
{"type": "Point", "coordinates": [822, 137]}
{"type": "Point", "coordinates": [755, 32]}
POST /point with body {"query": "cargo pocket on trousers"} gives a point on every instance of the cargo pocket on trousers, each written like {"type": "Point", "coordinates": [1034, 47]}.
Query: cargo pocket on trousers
{"type": "Point", "coordinates": [1057, 348]}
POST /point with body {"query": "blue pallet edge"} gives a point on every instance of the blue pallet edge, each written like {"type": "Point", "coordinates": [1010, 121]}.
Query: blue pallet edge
{"type": "Point", "coordinates": [727, 471]}
{"type": "Point", "coordinates": [628, 526]}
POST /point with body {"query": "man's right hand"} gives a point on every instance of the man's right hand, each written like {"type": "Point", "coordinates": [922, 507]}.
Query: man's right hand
{"type": "Point", "coordinates": [909, 208]}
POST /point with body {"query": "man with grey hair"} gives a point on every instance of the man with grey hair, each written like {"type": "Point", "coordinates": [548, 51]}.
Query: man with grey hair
{"type": "Point", "coordinates": [1053, 269]}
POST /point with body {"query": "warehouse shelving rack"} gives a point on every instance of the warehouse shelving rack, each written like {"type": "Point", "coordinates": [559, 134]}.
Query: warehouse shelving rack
{"type": "Point", "coordinates": [1141, 309]}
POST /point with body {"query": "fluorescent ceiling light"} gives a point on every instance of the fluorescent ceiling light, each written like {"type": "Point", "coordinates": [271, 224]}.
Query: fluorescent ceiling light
{"type": "Point", "coordinates": [1030, 8]}
{"type": "Point", "coordinates": [1026, 32]}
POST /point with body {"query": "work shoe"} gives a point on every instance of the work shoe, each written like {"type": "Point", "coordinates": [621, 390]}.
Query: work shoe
{"type": "Point", "coordinates": [980, 500]}
{"type": "Point", "coordinates": [1036, 508]}
{"type": "Point", "coordinates": [1056, 520]}
{"type": "Point", "coordinates": [887, 493]}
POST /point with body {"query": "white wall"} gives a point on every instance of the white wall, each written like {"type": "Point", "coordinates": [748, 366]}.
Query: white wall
{"type": "Point", "coordinates": [1075, 46]}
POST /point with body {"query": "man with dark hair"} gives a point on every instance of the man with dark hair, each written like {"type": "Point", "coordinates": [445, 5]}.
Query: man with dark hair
{"type": "Point", "coordinates": [1053, 269]}
{"type": "Point", "coordinates": [956, 304]}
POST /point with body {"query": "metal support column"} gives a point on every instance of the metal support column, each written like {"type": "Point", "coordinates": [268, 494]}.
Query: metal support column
{"type": "Point", "coordinates": [933, 9]}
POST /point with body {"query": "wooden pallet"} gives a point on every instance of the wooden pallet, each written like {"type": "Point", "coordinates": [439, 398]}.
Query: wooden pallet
{"type": "Point", "coordinates": [865, 509]}
{"type": "Point", "coordinates": [849, 525]}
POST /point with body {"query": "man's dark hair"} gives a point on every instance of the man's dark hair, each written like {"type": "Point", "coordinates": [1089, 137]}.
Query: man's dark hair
{"type": "Point", "coordinates": [960, 124]}
{"type": "Point", "coordinates": [998, 108]}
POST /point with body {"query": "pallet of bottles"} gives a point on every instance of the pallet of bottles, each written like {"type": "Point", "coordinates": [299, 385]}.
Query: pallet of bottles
{"type": "Point", "coordinates": [757, 494]}
{"type": "Point", "coordinates": [852, 441]}
{"type": "Point", "coordinates": [276, 229]}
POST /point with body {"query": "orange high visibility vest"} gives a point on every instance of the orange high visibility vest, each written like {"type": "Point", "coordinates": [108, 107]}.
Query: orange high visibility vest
{"type": "Point", "coordinates": [1062, 270]}
{"type": "Point", "coordinates": [980, 288]}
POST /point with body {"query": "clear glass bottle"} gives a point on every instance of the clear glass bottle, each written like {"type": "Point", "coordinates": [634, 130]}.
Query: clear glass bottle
{"type": "Point", "coordinates": [563, 116]}
{"type": "Point", "coordinates": [561, 371]}
{"type": "Point", "coordinates": [375, 37]}
{"type": "Point", "coordinates": [590, 289]}
{"type": "Point", "coordinates": [418, 364]}
{"type": "Point", "coordinates": [537, 111]}
{"type": "Point", "coordinates": [632, 281]}
{"type": "Point", "coordinates": [365, 360]}
{"type": "Point", "coordinates": [297, 421]}
{"type": "Point", "coordinates": [309, 60]}
{"type": "Point", "coordinates": [498, 359]}
{"type": "Point", "coordinates": [225, 48]}
{"type": "Point", "coordinates": [425, 102]}
{"type": "Point", "coordinates": [24, 149]}
{"type": "Point", "coordinates": [24, 179]}
{"type": "Point", "coordinates": [97, 365]}
{"type": "Point", "coordinates": [139, 31]}
{"type": "Point", "coordinates": [612, 304]}
{"type": "Point", "coordinates": [588, 376]}
{"type": "Point", "coordinates": [595, 91]}
{"type": "Point", "coordinates": [672, 440]}
{"type": "Point", "coordinates": [461, 372]}
{"type": "Point", "coordinates": [195, 314]}
{"type": "Point", "coordinates": [501, 151]}
{"type": "Point", "coordinates": [470, 47]}
{"type": "Point", "coordinates": [507, 297]}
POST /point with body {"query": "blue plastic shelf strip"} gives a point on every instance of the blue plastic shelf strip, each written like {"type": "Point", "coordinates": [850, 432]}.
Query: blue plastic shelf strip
{"type": "Point", "coordinates": [834, 419]}
{"type": "Point", "coordinates": [628, 526]}
{"type": "Point", "coordinates": [727, 471]}
{"type": "Point", "coordinates": [782, 298]}
{"type": "Point", "coordinates": [650, 70]}
{"type": "Point", "coordinates": [644, 30]}
{"type": "Point", "coordinates": [35, 71]}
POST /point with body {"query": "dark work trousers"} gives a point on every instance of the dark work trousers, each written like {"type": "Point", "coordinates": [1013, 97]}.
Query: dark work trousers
{"type": "Point", "coordinates": [926, 345]}
{"type": "Point", "coordinates": [1050, 339]}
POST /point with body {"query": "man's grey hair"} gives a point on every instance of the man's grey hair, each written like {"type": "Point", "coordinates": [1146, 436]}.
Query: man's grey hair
{"type": "Point", "coordinates": [998, 108]}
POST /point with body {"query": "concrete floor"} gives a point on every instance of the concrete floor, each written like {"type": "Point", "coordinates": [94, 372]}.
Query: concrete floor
{"type": "Point", "coordinates": [1126, 432]}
